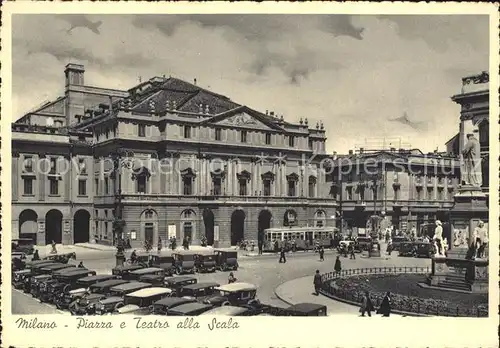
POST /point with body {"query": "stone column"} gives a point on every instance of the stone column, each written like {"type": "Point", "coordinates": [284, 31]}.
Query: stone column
{"type": "Point", "coordinates": [15, 175]}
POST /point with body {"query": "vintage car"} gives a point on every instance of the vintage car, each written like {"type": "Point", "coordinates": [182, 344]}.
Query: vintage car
{"type": "Point", "coordinates": [36, 269]}
{"type": "Point", "coordinates": [177, 283]}
{"type": "Point", "coordinates": [37, 264]}
{"type": "Point", "coordinates": [80, 288]}
{"type": "Point", "coordinates": [18, 261]}
{"type": "Point", "coordinates": [407, 249]}
{"type": "Point", "coordinates": [98, 291]}
{"type": "Point", "coordinates": [24, 245]}
{"type": "Point", "coordinates": [189, 309]}
{"type": "Point", "coordinates": [205, 262]}
{"type": "Point", "coordinates": [18, 277]}
{"type": "Point", "coordinates": [231, 311]}
{"type": "Point", "coordinates": [235, 294]}
{"type": "Point", "coordinates": [140, 302]}
{"type": "Point", "coordinates": [141, 258]}
{"type": "Point", "coordinates": [363, 244]}
{"type": "Point", "coordinates": [115, 297]}
{"type": "Point", "coordinates": [162, 306]}
{"type": "Point", "coordinates": [61, 283]}
{"type": "Point", "coordinates": [124, 270]}
{"type": "Point", "coordinates": [18, 255]}
{"type": "Point", "coordinates": [184, 262]}
{"type": "Point", "coordinates": [135, 275]}
{"type": "Point", "coordinates": [46, 276]}
{"type": "Point", "coordinates": [423, 249]}
{"type": "Point", "coordinates": [307, 310]}
{"type": "Point", "coordinates": [166, 262]}
{"type": "Point", "coordinates": [61, 258]}
{"type": "Point", "coordinates": [344, 246]}
{"type": "Point", "coordinates": [396, 242]}
{"type": "Point", "coordinates": [199, 291]}
{"type": "Point", "coordinates": [226, 260]}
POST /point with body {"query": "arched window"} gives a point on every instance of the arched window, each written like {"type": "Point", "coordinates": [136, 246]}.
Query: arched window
{"type": "Point", "coordinates": [188, 177]}
{"type": "Point", "coordinates": [188, 220]}
{"type": "Point", "coordinates": [312, 186]}
{"type": "Point", "coordinates": [141, 176]}
{"type": "Point", "coordinates": [319, 219]}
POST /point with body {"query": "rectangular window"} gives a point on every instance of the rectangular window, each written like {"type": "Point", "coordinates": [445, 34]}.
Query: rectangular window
{"type": "Point", "coordinates": [291, 141]}
{"type": "Point", "coordinates": [243, 187]}
{"type": "Point", "coordinates": [54, 187]}
{"type": "Point", "coordinates": [217, 186]}
{"type": "Point", "coordinates": [82, 187]}
{"type": "Point", "coordinates": [28, 186]}
{"type": "Point", "coordinates": [312, 188]}
{"type": "Point", "coordinates": [396, 193]}
{"type": "Point", "coordinates": [310, 144]}
{"type": "Point", "coordinates": [96, 186]}
{"type": "Point", "coordinates": [187, 132]}
{"type": "Point", "coordinates": [349, 193]}
{"type": "Point", "coordinates": [268, 139]}
{"type": "Point", "coordinates": [106, 186]}
{"type": "Point", "coordinates": [141, 183]}
{"type": "Point", "coordinates": [105, 229]}
{"type": "Point", "coordinates": [53, 165]}
{"type": "Point", "coordinates": [142, 130]}
{"type": "Point", "coordinates": [267, 187]}
{"type": "Point", "coordinates": [96, 225]}
{"type": "Point", "coordinates": [243, 136]}
{"type": "Point", "coordinates": [187, 183]}
{"type": "Point", "coordinates": [28, 164]}
{"type": "Point", "coordinates": [81, 166]}
{"type": "Point", "coordinates": [291, 188]}
{"type": "Point", "coordinates": [218, 132]}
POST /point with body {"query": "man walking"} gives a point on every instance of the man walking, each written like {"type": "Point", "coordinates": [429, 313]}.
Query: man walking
{"type": "Point", "coordinates": [282, 255]}
{"type": "Point", "coordinates": [351, 251]}
{"type": "Point", "coordinates": [338, 266]}
{"type": "Point", "coordinates": [367, 305]}
{"type": "Point", "coordinates": [317, 283]}
{"type": "Point", "coordinates": [321, 254]}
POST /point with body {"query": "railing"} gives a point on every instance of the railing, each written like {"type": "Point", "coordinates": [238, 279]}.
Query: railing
{"type": "Point", "coordinates": [411, 305]}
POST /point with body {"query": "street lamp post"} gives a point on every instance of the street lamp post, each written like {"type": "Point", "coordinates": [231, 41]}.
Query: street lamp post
{"type": "Point", "coordinates": [118, 222]}
{"type": "Point", "coordinates": [375, 219]}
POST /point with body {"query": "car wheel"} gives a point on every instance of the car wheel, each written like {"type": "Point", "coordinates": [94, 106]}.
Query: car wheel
{"type": "Point", "coordinates": [178, 271]}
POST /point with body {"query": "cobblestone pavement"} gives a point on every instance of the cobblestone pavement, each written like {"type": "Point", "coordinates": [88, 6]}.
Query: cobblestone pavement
{"type": "Point", "coordinates": [263, 271]}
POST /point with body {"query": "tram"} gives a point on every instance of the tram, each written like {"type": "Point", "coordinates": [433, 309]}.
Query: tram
{"type": "Point", "coordinates": [305, 237]}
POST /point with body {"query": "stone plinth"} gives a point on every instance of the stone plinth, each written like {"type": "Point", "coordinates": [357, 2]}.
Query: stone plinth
{"type": "Point", "coordinates": [459, 274]}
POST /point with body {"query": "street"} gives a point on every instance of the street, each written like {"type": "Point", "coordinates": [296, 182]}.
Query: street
{"type": "Point", "coordinates": [264, 271]}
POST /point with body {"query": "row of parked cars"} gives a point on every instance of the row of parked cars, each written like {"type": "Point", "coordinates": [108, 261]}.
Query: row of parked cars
{"type": "Point", "coordinates": [142, 291]}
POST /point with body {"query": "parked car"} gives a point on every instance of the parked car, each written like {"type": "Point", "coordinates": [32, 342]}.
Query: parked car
{"type": "Point", "coordinates": [80, 288]}
{"type": "Point", "coordinates": [142, 258]}
{"type": "Point", "coordinates": [307, 310]}
{"type": "Point", "coordinates": [166, 262]}
{"type": "Point", "coordinates": [396, 242]}
{"type": "Point", "coordinates": [114, 300]}
{"type": "Point", "coordinates": [235, 294]}
{"type": "Point", "coordinates": [153, 279]}
{"type": "Point", "coordinates": [98, 291]}
{"type": "Point", "coordinates": [141, 301]}
{"type": "Point", "coordinates": [231, 311]}
{"type": "Point", "coordinates": [18, 262]}
{"type": "Point", "coordinates": [61, 258]}
{"type": "Point", "coordinates": [176, 283]}
{"type": "Point", "coordinates": [344, 246]}
{"type": "Point", "coordinates": [423, 249]}
{"type": "Point", "coordinates": [199, 291]}
{"type": "Point", "coordinates": [24, 245]}
{"type": "Point", "coordinates": [226, 260]}
{"type": "Point", "coordinates": [407, 249]}
{"type": "Point", "coordinates": [205, 262]}
{"type": "Point", "coordinates": [184, 262]}
{"type": "Point", "coordinates": [61, 283]}
{"type": "Point", "coordinates": [36, 269]}
{"type": "Point", "coordinates": [136, 274]}
{"type": "Point", "coordinates": [162, 306]}
{"type": "Point", "coordinates": [124, 270]}
{"type": "Point", "coordinates": [46, 270]}
{"type": "Point", "coordinates": [18, 278]}
{"type": "Point", "coordinates": [189, 309]}
{"type": "Point", "coordinates": [18, 255]}
{"type": "Point", "coordinates": [37, 263]}
{"type": "Point", "coordinates": [363, 244]}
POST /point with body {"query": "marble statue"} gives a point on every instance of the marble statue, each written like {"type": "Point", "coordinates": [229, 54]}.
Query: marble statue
{"type": "Point", "coordinates": [471, 154]}
{"type": "Point", "coordinates": [480, 239]}
{"type": "Point", "coordinates": [438, 237]}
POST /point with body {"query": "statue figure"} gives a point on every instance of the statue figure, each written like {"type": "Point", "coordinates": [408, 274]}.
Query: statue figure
{"type": "Point", "coordinates": [438, 237]}
{"type": "Point", "coordinates": [480, 239]}
{"type": "Point", "coordinates": [444, 245]}
{"type": "Point", "coordinates": [471, 154]}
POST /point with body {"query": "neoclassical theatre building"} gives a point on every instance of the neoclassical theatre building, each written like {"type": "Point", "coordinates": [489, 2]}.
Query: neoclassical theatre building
{"type": "Point", "coordinates": [191, 163]}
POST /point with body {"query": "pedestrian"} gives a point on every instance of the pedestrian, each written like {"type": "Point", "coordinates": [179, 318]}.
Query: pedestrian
{"type": "Point", "coordinates": [80, 265]}
{"type": "Point", "coordinates": [321, 253]}
{"type": "Point", "coordinates": [338, 266]}
{"type": "Point", "coordinates": [36, 256]}
{"type": "Point", "coordinates": [351, 251]}
{"type": "Point", "coordinates": [133, 256]}
{"type": "Point", "coordinates": [185, 244]}
{"type": "Point", "coordinates": [231, 278]}
{"type": "Point", "coordinates": [385, 306]}
{"type": "Point", "coordinates": [159, 244]}
{"type": "Point", "coordinates": [389, 247]}
{"type": "Point", "coordinates": [367, 305]}
{"type": "Point", "coordinates": [54, 250]}
{"type": "Point", "coordinates": [282, 255]}
{"type": "Point", "coordinates": [129, 246]}
{"type": "Point", "coordinates": [317, 283]}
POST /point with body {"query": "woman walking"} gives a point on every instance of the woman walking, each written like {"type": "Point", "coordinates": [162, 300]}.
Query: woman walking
{"type": "Point", "coordinates": [367, 305]}
{"type": "Point", "coordinates": [385, 306]}
{"type": "Point", "coordinates": [338, 266]}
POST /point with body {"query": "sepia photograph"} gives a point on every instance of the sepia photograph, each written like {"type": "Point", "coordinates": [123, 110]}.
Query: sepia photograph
{"type": "Point", "coordinates": [249, 165]}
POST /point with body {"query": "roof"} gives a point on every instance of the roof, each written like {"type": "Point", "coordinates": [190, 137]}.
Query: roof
{"type": "Point", "coordinates": [173, 301]}
{"type": "Point", "coordinates": [237, 287]}
{"type": "Point", "coordinates": [201, 285]}
{"type": "Point", "coordinates": [110, 283]}
{"type": "Point", "coordinates": [180, 279]}
{"type": "Point", "coordinates": [226, 310]}
{"type": "Point", "coordinates": [306, 307]}
{"type": "Point", "coordinates": [97, 277]}
{"type": "Point", "coordinates": [191, 306]}
{"type": "Point", "coordinates": [130, 286]}
{"type": "Point", "coordinates": [150, 292]}
{"type": "Point", "coordinates": [57, 266]}
{"type": "Point", "coordinates": [147, 270]}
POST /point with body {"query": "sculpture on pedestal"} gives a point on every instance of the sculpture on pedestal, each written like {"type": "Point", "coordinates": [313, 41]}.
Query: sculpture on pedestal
{"type": "Point", "coordinates": [438, 239]}
{"type": "Point", "coordinates": [480, 239]}
{"type": "Point", "coordinates": [471, 154]}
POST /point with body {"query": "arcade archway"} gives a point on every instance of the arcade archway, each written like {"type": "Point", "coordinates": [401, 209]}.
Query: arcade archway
{"type": "Point", "coordinates": [209, 221]}
{"type": "Point", "coordinates": [81, 226]}
{"type": "Point", "coordinates": [28, 225]}
{"type": "Point", "coordinates": [237, 226]}
{"type": "Point", "coordinates": [53, 226]}
{"type": "Point", "coordinates": [264, 222]}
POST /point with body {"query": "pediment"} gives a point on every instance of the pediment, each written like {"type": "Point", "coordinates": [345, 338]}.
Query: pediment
{"type": "Point", "coordinates": [243, 119]}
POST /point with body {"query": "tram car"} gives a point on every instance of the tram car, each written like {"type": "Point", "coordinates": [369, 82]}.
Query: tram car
{"type": "Point", "coordinates": [298, 238]}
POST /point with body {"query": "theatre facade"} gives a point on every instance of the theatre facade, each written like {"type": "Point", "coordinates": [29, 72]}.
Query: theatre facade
{"type": "Point", "coordinates": [173, 158]}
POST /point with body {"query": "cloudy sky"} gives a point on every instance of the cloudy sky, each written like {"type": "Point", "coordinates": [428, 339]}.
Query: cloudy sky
{"type": "Point", "coordinates": [352, 72]}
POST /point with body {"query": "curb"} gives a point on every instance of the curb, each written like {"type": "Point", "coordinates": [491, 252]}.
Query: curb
{"type": "Point", "coordinates": [280, 297]}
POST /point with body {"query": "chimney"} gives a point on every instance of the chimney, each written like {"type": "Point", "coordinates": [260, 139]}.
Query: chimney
{"type": "Point", "coordinates": [271, 113]}
{"type": "Point", "coordinates": [350, 152]}
{"type": "Point", "coordinates": [207, 109]}
{"type": "Point", "coordinates": [74, 76]}
{"type": "Point", "coordinates": [267, 112]}
{"type": "Point", "coordinates": [200, 108]}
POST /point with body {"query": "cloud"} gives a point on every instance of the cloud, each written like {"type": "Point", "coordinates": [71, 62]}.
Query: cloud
{"type": "Point", "coordinates": [352, 72]}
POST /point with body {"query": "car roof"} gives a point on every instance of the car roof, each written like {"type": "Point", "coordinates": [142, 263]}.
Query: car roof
{"type": "Point", "coordinates": [226, 310]}
{"type": "Point", "coordinates": [131, 285]}
{"type": "Point", "coordinates": [58, 266]}
{"type": "Point", "coordinates": [184, 252]}
{"type": "Point", "coordinates": [173, 301]}
{"type": "Point", "coordinates": [191, 306]}
{"type": "Point", "coordinates": [237, 287]}
{"type": "Point", "coordinates": [146, 270]}
{"type": "Point", "coordinates": [76, 271]}
{"type": "Point", "coordinates": [180, 279]}
{"type": "Point", "coordinates": [97, 277]}
{"type": "Point", "coordinates": [150, 292]}
{"type": "Point", "coordinates": [110, 282]}
{"type": "Point", "coordinates": [201, 285]}
{"type": "Point", "coordinates": [306, 307]}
